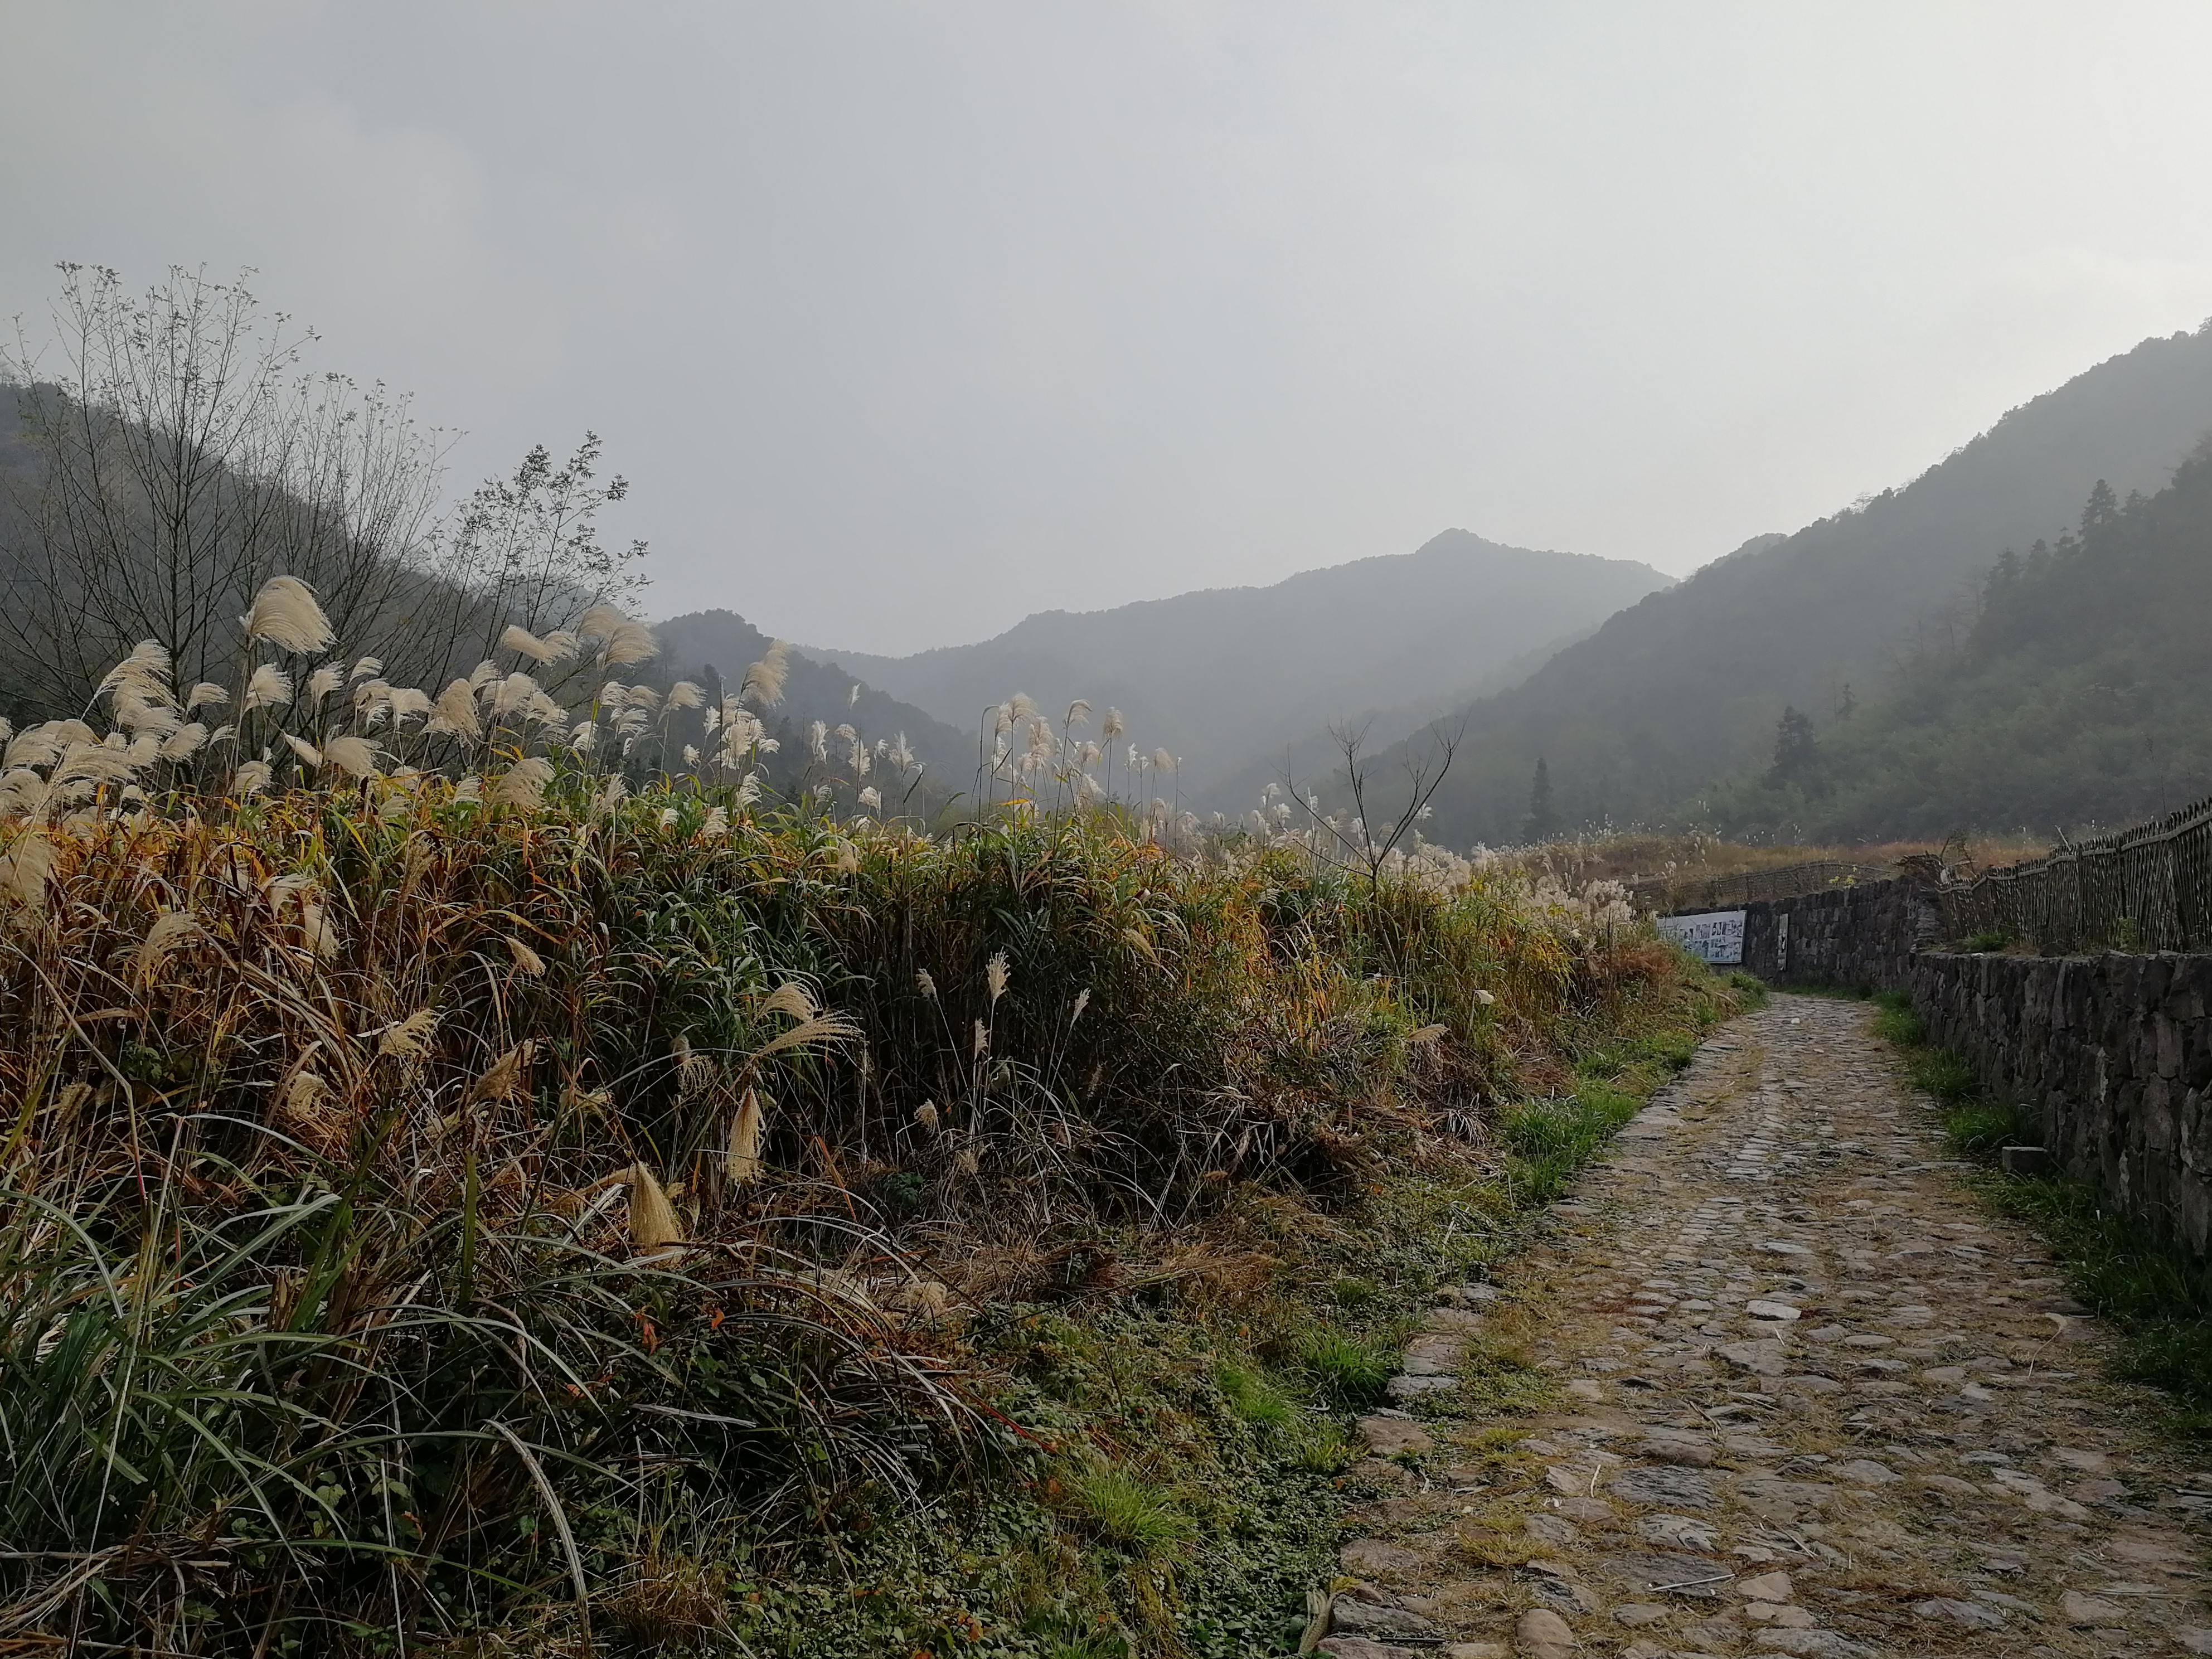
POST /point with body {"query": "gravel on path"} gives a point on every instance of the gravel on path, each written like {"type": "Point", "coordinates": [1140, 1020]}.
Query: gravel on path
{"type": "Point", "coordinates": [1813, 1402]}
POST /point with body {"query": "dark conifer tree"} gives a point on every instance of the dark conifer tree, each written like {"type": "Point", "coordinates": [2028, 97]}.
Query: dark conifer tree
{"type": "Point", "coordinates": [1543, 821]}
{"type": "Point", "coordinates": [1795, 753]}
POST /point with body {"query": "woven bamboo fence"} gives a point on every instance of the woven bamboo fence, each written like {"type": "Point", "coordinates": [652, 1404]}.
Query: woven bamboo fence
{"type": "Point", "coordinates": [2145, 888]}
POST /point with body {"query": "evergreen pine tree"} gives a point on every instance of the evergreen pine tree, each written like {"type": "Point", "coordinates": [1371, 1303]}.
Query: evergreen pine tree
{"type": "Point", "coordinates": [1543, 823]}
{"type": "Point", "coordinates": [1796, 754]}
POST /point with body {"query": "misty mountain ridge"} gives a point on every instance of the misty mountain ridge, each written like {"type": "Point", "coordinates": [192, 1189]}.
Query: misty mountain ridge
{"type": "Point", "coordinates": [1686, 685]}
{"type": "Point", "coordinates": [1230, 678]}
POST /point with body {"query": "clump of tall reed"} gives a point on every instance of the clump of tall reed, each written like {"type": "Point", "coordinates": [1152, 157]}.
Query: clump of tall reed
{"type": "Point", "coordinates": [434, 1126]}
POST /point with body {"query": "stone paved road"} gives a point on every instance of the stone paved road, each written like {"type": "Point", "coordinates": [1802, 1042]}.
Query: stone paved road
{"type": "Point", "coordinates": [1815, 1402]}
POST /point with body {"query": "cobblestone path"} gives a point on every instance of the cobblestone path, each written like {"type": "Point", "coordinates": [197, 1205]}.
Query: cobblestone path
{"type": "Point", "coordinates": [1814, 1401]}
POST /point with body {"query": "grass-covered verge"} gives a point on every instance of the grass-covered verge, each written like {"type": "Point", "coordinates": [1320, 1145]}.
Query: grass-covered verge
{"type": "Point", "coordinates": [2157, 1291]}
{"type": "Point", "coordinates": [540, 1220]}
{"type": "Point", "coordinates": [1198, 1430]}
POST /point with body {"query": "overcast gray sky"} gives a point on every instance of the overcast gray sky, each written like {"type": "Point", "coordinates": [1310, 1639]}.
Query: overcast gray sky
{"type": "Point", "coordinates": [907, 319]}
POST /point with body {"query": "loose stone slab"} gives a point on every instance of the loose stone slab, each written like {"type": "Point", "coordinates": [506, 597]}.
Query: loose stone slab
{"type": "Point", "coordinates": [1673, 1487]}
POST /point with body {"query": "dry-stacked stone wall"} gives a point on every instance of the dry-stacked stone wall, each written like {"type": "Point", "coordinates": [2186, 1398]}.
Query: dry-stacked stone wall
{"type": "Point", "coordinates": [2113, 1051]}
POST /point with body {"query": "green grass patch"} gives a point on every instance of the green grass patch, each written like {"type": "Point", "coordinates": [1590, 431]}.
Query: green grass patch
{"type": "Point", "coordinates": [2158, 1293]}
{"type": "Point", "coordinates": [1129, 1513]}
{"type": "Point", "coordinates": [1552, 1140]}
{"type": "Point", "coordinates": [1347, 1371]}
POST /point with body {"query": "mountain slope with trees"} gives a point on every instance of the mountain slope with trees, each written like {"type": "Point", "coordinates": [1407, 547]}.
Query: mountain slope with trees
{"type": "Point", "coordinates": [1685, 686]}
{"type": "Point", "coordinates": [2078, 694]}
{"type": "Point", "coordinates": [1227, 678]}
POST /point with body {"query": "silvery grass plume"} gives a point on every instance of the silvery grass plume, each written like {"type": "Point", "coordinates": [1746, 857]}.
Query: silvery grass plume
{"type": "Point", "coordinates": [409, 1038]}
{"type": "Point", "coordinates": [653, 1223]}
{"type": "Point", "coordinates": [763, 686]}
{"type": "Point", "coordinates": [454, 713]}
{"type": "Point", "coordinates": [1113, 725]}
{"type": "Point", "coordinates": [143, 675]}
{"type": "Point", "coordinates": [741, 1159]}
{"type": "Point", "coordinates": [284, 613]}
{"type": "Point", "coordinates": [557, 647]}
{"type": "Point", "coordinates": [1078, 712]}
{"type": "Point", "coordinates": [622, 640]}
{"type": "Point", "coordinates": [355, 756]}
{"type": "Point", "coordinates": [271, 687]}
{"type": "Point", "coordinates": [996, 974]}
{"type": "Point", "coordinates": [205, 695]}
{"type": "Point", "coordinates": [366, 668]}
{"type": "Point", "coordinates": [522, 784]}
{"type": "Point", "coordinates": [171, 930]}
{"type": "Point", "coordinates": [684, 694]}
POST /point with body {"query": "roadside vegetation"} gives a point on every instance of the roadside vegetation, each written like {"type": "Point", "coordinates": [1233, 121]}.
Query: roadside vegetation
{"type": "Point", "coordinates": [479, 1183]}
{"type": "Point", "coordinates": [2157, 1292]}
{"type": "Point", "coordinates": [511, 1151]}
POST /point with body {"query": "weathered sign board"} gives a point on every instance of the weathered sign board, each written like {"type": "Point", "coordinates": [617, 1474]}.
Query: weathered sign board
{"type": "Point", "coordinates": [1714, 936]}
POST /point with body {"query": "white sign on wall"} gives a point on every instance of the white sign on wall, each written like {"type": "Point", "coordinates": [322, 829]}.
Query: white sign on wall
{"type": "Point", "coordinates": [1714, 936]}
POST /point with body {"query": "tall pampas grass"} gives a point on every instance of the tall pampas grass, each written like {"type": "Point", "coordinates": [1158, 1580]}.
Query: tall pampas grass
{"type": "Point", "coordinates": [270, 687]}
{"type": "Point", "coordinates": [653, 1223]}
{"type": "Point", "coordinates": [741, 1160]}
{"type": "Point", "coordinates": [285, 614]}
{"type": "Point", "coordinates": [763, 686]}
{"type": "Point", "coordinates": [355, 756]}
{"type": "Point", "coordinates": [454, 713]}
{"type": "Point", "coordinates": [522, 784]}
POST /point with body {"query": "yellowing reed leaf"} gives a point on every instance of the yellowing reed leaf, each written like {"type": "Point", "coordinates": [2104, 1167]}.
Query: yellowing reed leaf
{"type": "Point", "coordinates": [504, 1080]}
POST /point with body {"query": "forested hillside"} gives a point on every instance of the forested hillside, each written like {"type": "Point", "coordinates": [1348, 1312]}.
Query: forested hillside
{"type": "Point", "coordinates": [1228, 678]}
{"type": "Point", "coordinates": [2079, 693]}
{"type": "Point", "coordinates": [1687, 686]}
